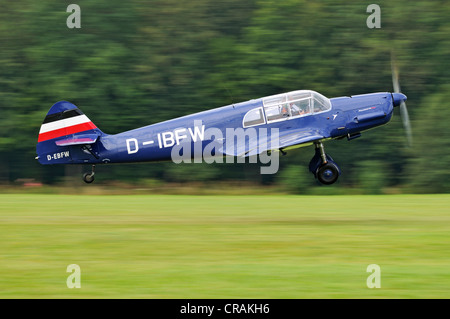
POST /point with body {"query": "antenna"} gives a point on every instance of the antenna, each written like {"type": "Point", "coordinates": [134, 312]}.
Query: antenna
{"type": "Point", "coordinates": [230, 96]}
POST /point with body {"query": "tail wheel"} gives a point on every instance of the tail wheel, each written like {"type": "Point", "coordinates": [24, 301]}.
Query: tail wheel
{"type": "Point", "coordinates": [327, 173]}
{"type": "Point", "coordinates": [88, 177]}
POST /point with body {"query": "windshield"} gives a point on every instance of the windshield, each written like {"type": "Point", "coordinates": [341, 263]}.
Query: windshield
{"type": "Point", "coordinates": [294, 104]}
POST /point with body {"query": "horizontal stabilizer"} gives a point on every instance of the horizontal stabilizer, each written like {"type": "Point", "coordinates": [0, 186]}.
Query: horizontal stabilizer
{"type": "Point", "coordinates": [78, 140]}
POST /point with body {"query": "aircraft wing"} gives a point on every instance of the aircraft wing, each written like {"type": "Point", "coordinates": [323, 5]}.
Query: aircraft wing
{"type": "Point", "coordinates": [257, 145]}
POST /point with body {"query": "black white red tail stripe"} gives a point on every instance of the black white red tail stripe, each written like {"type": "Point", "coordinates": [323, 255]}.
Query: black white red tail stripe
{"type": "Point", "coordinates": [64, 123]}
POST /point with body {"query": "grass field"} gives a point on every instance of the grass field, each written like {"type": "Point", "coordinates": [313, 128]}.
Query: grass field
{"type": "Point", "coordinates": [180, 246]}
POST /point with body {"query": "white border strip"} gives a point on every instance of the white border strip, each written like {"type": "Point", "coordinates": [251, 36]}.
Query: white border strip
{"type": "Point", "coordinates": [52, 126]}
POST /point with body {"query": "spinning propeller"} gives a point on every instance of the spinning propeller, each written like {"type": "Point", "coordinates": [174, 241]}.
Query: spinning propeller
{"type": "Point", "coordinates": [399, 100]}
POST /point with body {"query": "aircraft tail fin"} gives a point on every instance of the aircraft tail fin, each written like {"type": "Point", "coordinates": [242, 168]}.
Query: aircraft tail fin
{"type": "Point", "coordinates": [64, 126]}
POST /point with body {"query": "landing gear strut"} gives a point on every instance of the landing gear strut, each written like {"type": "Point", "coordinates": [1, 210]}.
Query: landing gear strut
{"type": "Point", "coordinates": [323, 167]}
{"type": "Point", "coordinates": [89, 177]}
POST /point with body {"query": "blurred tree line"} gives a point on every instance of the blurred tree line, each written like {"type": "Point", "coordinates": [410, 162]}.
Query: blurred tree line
{"type": "Point", "coordinates": [139, 62]}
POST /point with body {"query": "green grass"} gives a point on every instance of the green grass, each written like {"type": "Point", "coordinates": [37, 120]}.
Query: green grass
{"type": "Point", "coordinates": [180, 246]}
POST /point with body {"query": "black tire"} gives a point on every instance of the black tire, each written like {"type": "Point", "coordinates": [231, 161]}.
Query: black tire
{"type": "Point", "coordinates": [88, 178]}
{"type": "Point", "coordinates": [328, 173]}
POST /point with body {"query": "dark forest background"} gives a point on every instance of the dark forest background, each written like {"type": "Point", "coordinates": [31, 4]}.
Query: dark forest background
{"type": "Point", "coordinates": [134, 63]}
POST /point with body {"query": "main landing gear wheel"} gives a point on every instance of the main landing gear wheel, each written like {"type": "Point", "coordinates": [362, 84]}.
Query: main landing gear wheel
{"type": "Point", "coordinates": [89, 177]}
{"type": "Point", "coordinates": [323, 167]}
{"type": "Point", "coordinates": [327, 173]}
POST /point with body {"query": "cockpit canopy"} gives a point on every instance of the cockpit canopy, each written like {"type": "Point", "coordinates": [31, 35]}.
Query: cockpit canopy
{"type": "Point", "coordinates": [286, 106]}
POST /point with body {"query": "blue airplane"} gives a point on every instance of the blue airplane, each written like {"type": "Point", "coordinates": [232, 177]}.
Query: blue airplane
{"type": "Point", "coordinates": [299, 118]}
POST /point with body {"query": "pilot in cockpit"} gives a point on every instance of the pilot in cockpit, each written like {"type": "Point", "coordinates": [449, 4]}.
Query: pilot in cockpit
{"type": "Point", "coordinates": [285, 110]}
{"type": "Point", "coordinates": [295, 110]}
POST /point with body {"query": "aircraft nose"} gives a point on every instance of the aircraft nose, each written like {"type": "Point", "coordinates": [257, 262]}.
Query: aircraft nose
{"type": "Point", "coordinates": [398, 98]}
